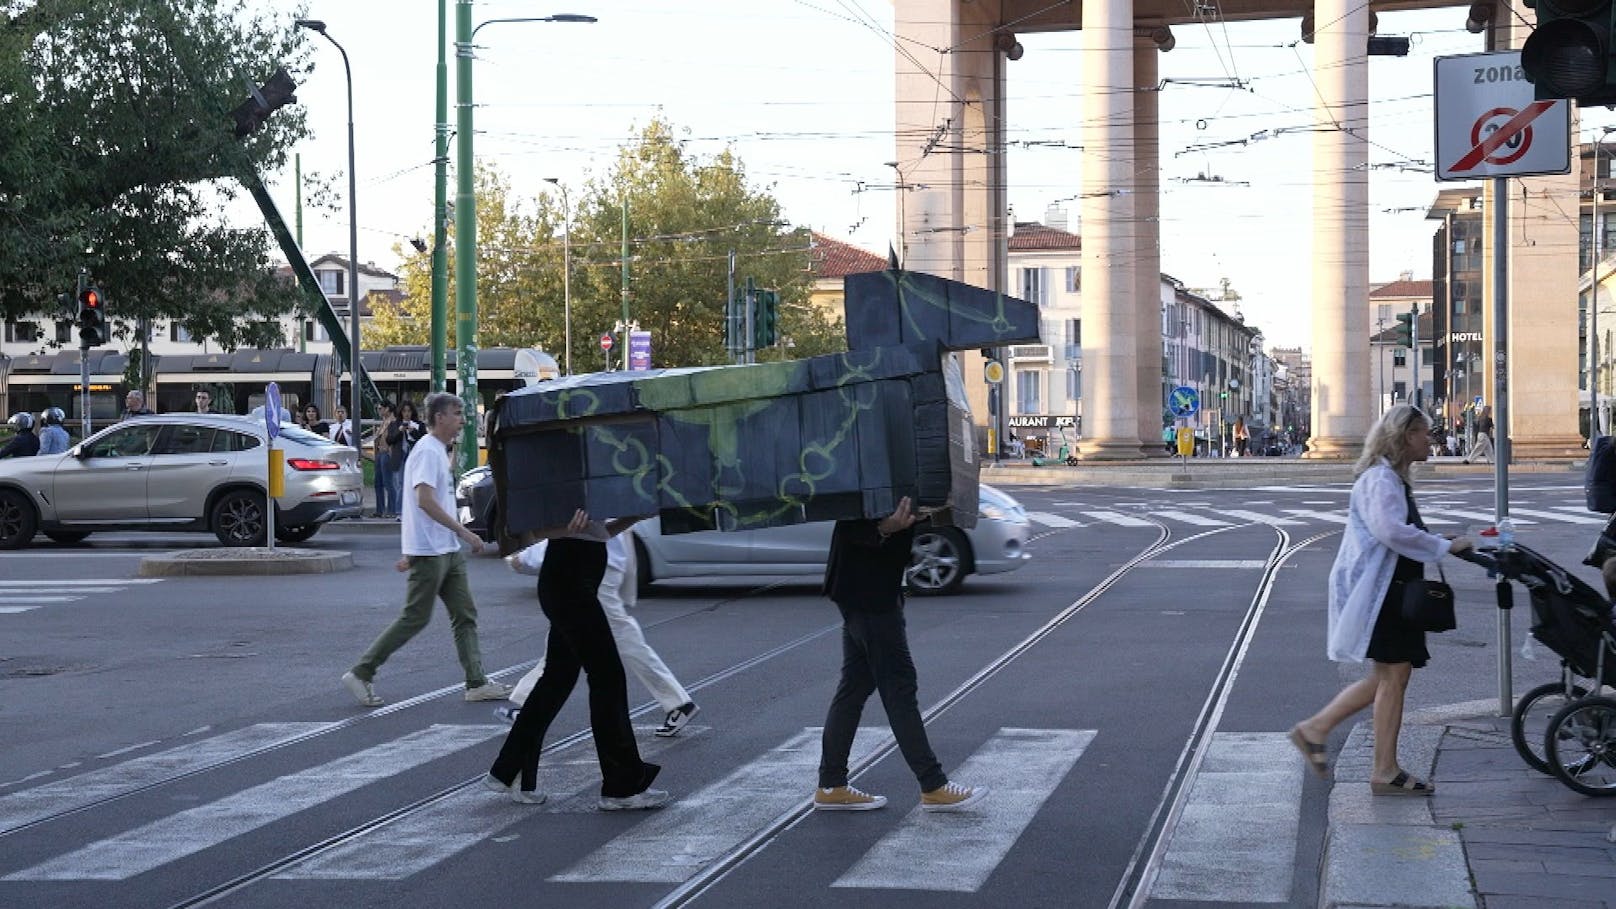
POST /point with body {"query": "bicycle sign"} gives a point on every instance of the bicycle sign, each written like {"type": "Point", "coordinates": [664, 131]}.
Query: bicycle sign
{"type": "Point", "coordinates": [1184, 402]}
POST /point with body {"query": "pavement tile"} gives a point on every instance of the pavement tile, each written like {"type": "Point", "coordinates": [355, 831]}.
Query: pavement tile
{"type": "Point", "coordinates": [1535, 902]}
{"type": "Point", "coordinates": [1549, 884]}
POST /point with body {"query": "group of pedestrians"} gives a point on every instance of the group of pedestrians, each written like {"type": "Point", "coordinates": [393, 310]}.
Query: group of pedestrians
{"type": "Point", "coordinates": [396, 435]}
{"type": "Point", "coordinates": [586, 582]}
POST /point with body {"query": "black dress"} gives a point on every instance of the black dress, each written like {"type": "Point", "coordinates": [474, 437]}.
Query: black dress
{"type": "Point", "coordinates": [1394, 640]}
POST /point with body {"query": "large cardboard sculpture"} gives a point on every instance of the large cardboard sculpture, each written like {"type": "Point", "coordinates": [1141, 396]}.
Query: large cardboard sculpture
{"type": "Point", "coordinates": [731, 447]}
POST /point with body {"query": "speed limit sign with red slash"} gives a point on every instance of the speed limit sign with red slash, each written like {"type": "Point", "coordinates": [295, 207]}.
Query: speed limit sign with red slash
{"type": "Point", "coordinates": [1488, 124]}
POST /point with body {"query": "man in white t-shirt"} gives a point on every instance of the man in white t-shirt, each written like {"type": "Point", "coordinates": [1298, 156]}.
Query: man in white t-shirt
{"type": "Point", "coordinates": [432, 556]}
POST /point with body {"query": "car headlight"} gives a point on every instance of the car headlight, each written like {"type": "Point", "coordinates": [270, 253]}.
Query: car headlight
{"type": "Point", "coordinates": [995, 512]}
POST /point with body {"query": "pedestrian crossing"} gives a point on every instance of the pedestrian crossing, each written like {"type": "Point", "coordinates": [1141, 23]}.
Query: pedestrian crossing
{"type": "Point", "coordinates": [1021, 767]}
{"type": "Point", "coordinates": [26, 596]}
{"type": "Point", "coordinates": [1439, 513]}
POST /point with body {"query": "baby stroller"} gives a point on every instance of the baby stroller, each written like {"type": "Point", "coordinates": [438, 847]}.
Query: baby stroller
{"type": "Point", "coordinates": [1565, 728]}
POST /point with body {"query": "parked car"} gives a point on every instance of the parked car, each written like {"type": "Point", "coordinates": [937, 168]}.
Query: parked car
{"type": "Point", "coordinates": [943, 556]}
{"type": "Point", "coordinates": [180, 471]}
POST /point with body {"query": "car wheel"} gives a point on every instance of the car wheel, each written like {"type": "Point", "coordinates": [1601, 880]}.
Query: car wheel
{"type": "Point", "coordinates": [296, 534]}
{"type": "Point", "coordinates": [68, 536]}
{"type": "Point", "coordinates": [238, 518]}
{"type": "Point", "coordinates": [938, 562]}
{"type": "Point", "coordinates": [17, 520]}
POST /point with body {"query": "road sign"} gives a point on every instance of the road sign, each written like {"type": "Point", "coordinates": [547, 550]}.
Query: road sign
{"type": "Point", "coordinates": [1489, 124]}
{"type": "Point", "coordinates": [606, 342]}
{"type": "Point", "coordinates": [272, 409]}
{"type": "Point", "coordinates": [993, 372]}
{"type": "Point", "coordinates": [1184, 402]}
{"type": "Point", "coordinates": [639, 350]}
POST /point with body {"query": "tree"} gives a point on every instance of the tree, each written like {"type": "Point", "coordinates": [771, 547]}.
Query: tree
{"type": "Point", "coordinates": [118, 157]}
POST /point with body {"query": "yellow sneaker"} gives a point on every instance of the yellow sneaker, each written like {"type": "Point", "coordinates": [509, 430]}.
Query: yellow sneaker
{"type": "Point", "coordinates": [846, 798]}
{"type": "Point", "coordinates": [952, 797]}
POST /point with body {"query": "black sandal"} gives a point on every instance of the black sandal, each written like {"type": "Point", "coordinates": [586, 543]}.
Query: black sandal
{"type": "Point", "coordinates": [1402, 784]}
{"type": "Point", "coordinates": [1312, 752]}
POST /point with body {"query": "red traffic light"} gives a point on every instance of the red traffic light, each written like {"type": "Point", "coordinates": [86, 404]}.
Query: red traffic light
{"type": "Point", "coordinates": [90, 299]}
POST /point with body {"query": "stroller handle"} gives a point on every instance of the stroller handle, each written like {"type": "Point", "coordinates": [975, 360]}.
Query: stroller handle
{"type": "Point", "coordinates": [1485, 556]}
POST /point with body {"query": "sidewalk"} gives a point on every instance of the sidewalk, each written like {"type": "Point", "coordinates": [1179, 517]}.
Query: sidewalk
{"type": "Point", "coordinates": [1496, 835]}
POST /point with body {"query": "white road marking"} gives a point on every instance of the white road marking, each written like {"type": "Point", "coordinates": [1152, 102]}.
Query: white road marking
{"type": "Point", "coordinates": [1549, 515]}
{"type": "Point", "coordinates": [81, 582]}
{"type": "Point", "coordinates": [156, 844]}
{"type": "Point", "coordinates": [1257, 516]}
{"type": "Point", "coordinates": [38, 601]}
{"type": "Point", "coordinates": [957, 852]}
{"type": "Point", "coordinates": [672, 845]}
{"type": "Point", "coordinates": [1196, 519]}
{"type": "Point", "coordinates": [1118, 518]}
{"type": "Point", "coordinates": [1236, 839]}
{"type": "Point", "coordinates": [1206, 563]}
{"type": "Point", "coordinates": [1486, 516]}
{"type": "Point", "coordinates": [20, 808]}
{"type": "Point", "coordinates": [422, 839]}
{"type": "Point", "coordinates": [1051, 520]}
{"type": "Point", "coordinates": [1318, 515]}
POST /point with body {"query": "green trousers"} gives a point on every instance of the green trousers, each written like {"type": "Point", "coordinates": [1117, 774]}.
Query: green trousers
{"type": "Point", "coordinates": [431, 578]}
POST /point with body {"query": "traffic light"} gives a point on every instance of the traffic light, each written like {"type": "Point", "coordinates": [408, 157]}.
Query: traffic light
{"type": "Point", "coordinates": [764, 321]}
{"type": "Point", "coordinates": [1569, 53]}
{"type": "Point", "coordinates": [261, 102]}
{"type": "Point", "coordinates": [92, 318]}
{"type": "Point", "coordinates": [1405, 329]}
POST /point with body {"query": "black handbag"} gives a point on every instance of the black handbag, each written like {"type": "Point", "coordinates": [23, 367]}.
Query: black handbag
{"type": "Point", "coordinates": [1428, 605]}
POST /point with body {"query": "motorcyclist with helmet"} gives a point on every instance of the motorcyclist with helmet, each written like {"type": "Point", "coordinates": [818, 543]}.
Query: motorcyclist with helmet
{"type": "Point", "coordinates": [24, 444]}
{"type": "Point", "coordinates": [53, 438]}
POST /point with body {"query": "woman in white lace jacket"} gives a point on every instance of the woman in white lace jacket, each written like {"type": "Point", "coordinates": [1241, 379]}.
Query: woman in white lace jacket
{"type": "Point", "coordinates": [1384, 543]}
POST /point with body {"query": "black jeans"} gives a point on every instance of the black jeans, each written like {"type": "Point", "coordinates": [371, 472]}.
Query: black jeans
{"type": "Point", "coordinates": [875, 657]}
{"type": "Point", "coordinates": [580, 638]}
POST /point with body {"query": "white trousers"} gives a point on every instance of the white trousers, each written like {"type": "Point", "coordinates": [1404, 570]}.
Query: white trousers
{"type": "Point", "coordinates": [1483, 450]}
{"type": "Point", "coordinates": [617, 593]}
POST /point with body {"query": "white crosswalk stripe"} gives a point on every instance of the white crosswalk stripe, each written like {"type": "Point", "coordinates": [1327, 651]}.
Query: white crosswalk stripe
{"type": "Point", "coordinates": [1236, 839]}
{"type": "Point", "coordinates": [1552, 516]}
{"type": "Point", "coordinates": [957, 852]}
{"type": "Point", "coordinates": [1484, 516]}
{"type": "Point", "coordinates": [422, 839]}
{"type": "Point", "coordinates": [1258, 517]}
{"type": "Point", "coordinates": [179, 835]}
{"type": "Point", "coordinates": [670, 846]}
{"type": "Point", "coordinates": [29, 805]}
{"type": "Point", "coordinates": [1329, 516]}
{"type": "Point", "coordinates": [26, 596]}
{"type": "Point", "coordinates": [1051, 520]}
{"type": "Point", "coordinates": [1198, 520]}
{"type": "Point", "coordinates": [1112, 517]}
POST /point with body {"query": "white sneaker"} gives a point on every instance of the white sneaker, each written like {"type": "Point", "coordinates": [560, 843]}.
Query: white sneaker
{"type": "Point", "coordinates": [677, 718]}
{"type": "Point", "coordinates": [650, 798]}
{"type": "Point", "coordinates": [361, 690]}
{"type": "Point", "coordinates": [507, 713]}
{"type": "Point", "coordinates": [489, 690]}
{"type": "Point", "coordinates": [519, 796]}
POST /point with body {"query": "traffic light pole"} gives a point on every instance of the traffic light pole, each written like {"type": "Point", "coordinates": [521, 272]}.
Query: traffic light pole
{"type": "Point", "coordinates": [84, 367]}
{"type": "Point", "coordinates": [1414, 353]}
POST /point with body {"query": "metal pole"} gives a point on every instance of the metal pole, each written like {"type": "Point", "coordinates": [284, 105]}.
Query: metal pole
{"type": "Point", "coordinates": [623, 338]}
{"type": "Point", "coordinates": [729, 307]}
{"type": "Point", "coordinates": [84, 366]}
{"type": "Point", "coordinates": [1593, 312]}
{"type": "Point", "coordinates": [1501, 442]}
{"type": "Point", "coordinates": [1380, 354]}
{"type": "Point", "coordinates": [746, 324]}
{"type": "Point", "coordinates": [355, 399]}
{"type": "Point", "coordinates": [465, 240]}
{"type": "Point", "coordinates": [440, 210]}
{"type": "Point", "coordinates": [566, 274]}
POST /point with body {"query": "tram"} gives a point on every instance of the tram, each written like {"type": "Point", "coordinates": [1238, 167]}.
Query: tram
{"type": "Point", "coordinates": [405, 373]}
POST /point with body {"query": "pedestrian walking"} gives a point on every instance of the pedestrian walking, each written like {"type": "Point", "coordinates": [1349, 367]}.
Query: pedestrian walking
{"type": "Point", "coordinates": [433, 558]}
{"type": "Point", "coordinates": [53, 439]}
{"type": "Point", "coordinates": [1385, 544]}
{"type": "Point", "coordinates": [580, 640]}
{"type": "Point", "coordinates": [1484, 447]}
{"type": "Point", "coordinates": [864, 578]}
{"type": "Point", "coordinates": [618, 593]}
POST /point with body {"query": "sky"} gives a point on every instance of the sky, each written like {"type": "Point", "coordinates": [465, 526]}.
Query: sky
{"type": "Point", "coordinates": [802, 91]}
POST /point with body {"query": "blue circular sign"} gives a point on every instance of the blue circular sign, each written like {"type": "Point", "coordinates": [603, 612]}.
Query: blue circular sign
{"type": "Point", "coordinates": [1184, 401]}
{"type": "Point", "coordinates": [272, 409]}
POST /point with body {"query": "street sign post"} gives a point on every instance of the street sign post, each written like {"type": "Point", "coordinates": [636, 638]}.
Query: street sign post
{"type": "Point", "coordinates": [274, 472]}
{"type": "Point", "coordinates": [1489, 124]}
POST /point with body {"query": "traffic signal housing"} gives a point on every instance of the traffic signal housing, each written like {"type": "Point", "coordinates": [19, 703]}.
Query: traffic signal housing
{"type": "Point", "coordinates": [263, 101]}
{"type": "Point", "coordinates": [765, 324]}
{"type": "Point", "coordinates": [1569, 54]}
{"type": "Point", "coordinates": [1405, 329]}
{"type": "Point", "coordinates": [92, 318]}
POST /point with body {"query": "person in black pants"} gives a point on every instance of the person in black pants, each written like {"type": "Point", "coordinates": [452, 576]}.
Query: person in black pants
{"type": "Point", "coordinates": [580, 638]}
{"type": "Point", "coordinates": [864, 578]}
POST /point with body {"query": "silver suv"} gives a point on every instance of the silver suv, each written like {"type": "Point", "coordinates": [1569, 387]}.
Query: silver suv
{"type": "Point", "coordinates": [180, 471]}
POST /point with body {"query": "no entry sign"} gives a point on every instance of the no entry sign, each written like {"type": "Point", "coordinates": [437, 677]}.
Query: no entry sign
{"type": "Point", "coordinates": [1489, 125]}
{"type": "Point", "coordinates": [606, 342]}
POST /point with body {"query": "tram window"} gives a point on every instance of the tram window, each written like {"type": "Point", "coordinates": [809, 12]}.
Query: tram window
{"type": "Point", "coordinates": [227, 440]}
{"type": "Point", "coordinates": [187, 440]}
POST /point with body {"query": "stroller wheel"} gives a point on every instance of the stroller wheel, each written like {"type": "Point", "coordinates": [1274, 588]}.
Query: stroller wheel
{"type": "Point", "coordinates": [1581, 746]}
{"type": "Point", "coordinates": [1530, 721]}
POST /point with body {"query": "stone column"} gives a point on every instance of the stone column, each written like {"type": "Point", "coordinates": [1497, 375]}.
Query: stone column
{"type": "Point", "coordinates": [1341, 404]}
{"type": "Point", "coordinates": [1147, 230]}
{"type": "Point", "coordinates": [1110, 377]}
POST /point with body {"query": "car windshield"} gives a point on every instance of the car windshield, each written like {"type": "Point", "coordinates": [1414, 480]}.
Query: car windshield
{"type": "Point", "coordinates": [303, 436]}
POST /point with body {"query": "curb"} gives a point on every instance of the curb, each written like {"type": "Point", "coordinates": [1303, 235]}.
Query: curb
{"type": "Point", "coordinates": [245, 561]}
{"type": "Point", "coordinates": [1391, 852]}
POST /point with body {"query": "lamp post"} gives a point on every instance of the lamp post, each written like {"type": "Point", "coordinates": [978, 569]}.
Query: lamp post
{"type": "Point", "coordinates": [1593, 310]}
{"type": "Point", "coordinates": [566, 267]}
{"type": "Point", "coordinates": [354, 397]}
{"type": "Point", "coordinates": [466, 219]}
{"type": "Point", "coordinates": [440, 209]}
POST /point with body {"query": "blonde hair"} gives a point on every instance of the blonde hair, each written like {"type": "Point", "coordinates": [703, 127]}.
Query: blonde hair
{"type": "Point", "coordinates": [1388, 439]}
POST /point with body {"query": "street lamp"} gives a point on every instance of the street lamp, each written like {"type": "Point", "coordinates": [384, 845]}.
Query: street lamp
{"type": "Point", "coordinates": [466, 219]}
{"type": "Point", "coordinates": [566, 266]}
{"type": "Point", "coordinates": [354, 398]}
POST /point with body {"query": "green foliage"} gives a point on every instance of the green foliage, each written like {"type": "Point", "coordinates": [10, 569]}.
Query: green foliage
{"type": "Point", "coordinates": [118, 157]}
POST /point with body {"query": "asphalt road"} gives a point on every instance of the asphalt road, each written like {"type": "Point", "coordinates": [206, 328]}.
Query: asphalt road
{"type": "Point", "coordinates": [1125, 695]}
